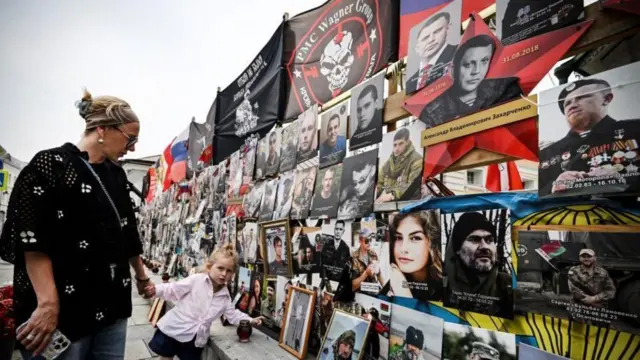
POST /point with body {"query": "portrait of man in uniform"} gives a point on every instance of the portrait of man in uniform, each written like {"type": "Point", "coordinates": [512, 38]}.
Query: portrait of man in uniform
{"type": "Point", "coordinates": [367, 104]}
{"type": "Point", "coordinates": [303, 192]}
{"type": "Point", "coordinates": [325, 198]}
{"type": "Point", "coordinates": [598, 153]}
{"type": "Point", "coordinates": [476, 279]}
{"type": "Point", "coordinates": [475, 343]}
{"type": "Point", "coordinates": [415, 335]}
{"type": "Point", "coordinates": [268, 200]}
{"type": "Point", "coordinates": [358, 185]}
{"type": "Point", "coordinates": [289, 150]}
{"type": "Point", "coordinates": [365, 266]}
{"type": "Point", "coordinates": [284, 196]}
{"type": "Point", "coordinates": [308, 135]}
{"type": "Point", "coordinates": [432, 44]}
{"type": "Point", "coordinates": [333, 135]}
{"type": "Point", "coordinates": [471, 90]}
{"type": "Point", "coordinates": [400, 164]}
{"type": "Point", "coordinates": [272, 161]}
{"type": "Point", "coordinates": [335, 250]}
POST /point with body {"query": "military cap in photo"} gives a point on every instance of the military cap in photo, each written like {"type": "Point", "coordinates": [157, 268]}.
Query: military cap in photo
{"type": "Point", "coordinates": [484, 351]}
{"type": "Point", "coordinates": [587, 251]}
{"type": "Point", "coordinates": [577, 85]}
{"type": "Point", "coordinates": [414, 337]}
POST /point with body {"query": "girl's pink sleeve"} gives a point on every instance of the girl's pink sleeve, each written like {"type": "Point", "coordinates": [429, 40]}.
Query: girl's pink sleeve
{"type": "Point", "coordinates": [176, 290]}
{"type": "Point", "coordinates": [234, 315]}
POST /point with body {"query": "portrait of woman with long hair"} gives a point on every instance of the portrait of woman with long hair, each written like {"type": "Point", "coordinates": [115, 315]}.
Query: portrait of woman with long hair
{"type": "Point", "coordinates": [416, 260]}
{"type": "Point", "coordinates": [255, 301]}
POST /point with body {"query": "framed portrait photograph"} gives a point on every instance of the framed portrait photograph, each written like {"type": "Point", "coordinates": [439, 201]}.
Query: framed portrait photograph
{"type": "Point", "coordinates": [357, 188]}
{"type": "Point", "coordinates": [308, 135]}
{"type": "Point", "coordinates": [400, 161]}
{"type": "Point", "coordinates": [588, 135]}
{"type": "Point", "coordinates": [367, 106]}
{"type": "Point", "coordinates": [345, 338]}
{"type": "Point", "coordinates": [284, 197]}
{"type": "Point", "coordinates": [432, 43]}
{"type": "Point", "coordinates": [325, 198]}
{"type": "Point", "coordinates": [333, 134]}
{"type": "Point", "coordinates": [478, 269]}
{"type": "Point", "coordinates": [415, 255]}
{"type": "Point", "coordinates": [297, 320]}
{"type": "Point", "coordinates": [486, 344]}
{"type": "Point", "coordinates": [303, 192]}
{"type": "Point", "coordinates": [268, 155]}
{"type": "Point", "coordinates": [289, 149]}
{"type": "Point", "coordinates": [275, 244]}
{"type": "Point", "coordinates": [268, 199]}
{"type": "Point", "coordinates": [416, 335]}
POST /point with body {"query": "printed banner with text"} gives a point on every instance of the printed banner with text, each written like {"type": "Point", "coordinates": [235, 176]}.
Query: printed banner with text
{"type": "Point", "coordinates": [330, 49]}
{"type": "Point", "coordinates": [251, 103]}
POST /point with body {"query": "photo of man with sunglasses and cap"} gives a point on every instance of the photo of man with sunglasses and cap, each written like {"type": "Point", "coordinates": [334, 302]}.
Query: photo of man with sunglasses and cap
{"type": "Point", "coordinates": [365, 266]}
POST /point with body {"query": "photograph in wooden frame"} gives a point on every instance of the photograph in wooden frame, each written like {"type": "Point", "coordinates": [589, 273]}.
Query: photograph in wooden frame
{"type": "Point", "coordinates": [275, 239]}
{"type": "Point", "coordinates": [296, 322]}
{"type": "Point", "coordinates": [348, 329]}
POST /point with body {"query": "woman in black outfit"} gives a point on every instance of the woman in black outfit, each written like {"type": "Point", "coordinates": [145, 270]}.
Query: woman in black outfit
{"type": "Point", "coordinates": [71, 234]}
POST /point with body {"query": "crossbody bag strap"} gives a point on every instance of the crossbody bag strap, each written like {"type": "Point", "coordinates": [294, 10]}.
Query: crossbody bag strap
{"type": "Point", "coordinates": [104, 189]}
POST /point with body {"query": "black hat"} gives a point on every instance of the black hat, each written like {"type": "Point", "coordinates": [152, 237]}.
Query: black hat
{"type": "Point", "coordinates": [374, 312]}
{"type": "Point", "coordinates": [468, 223]}
{"type": "Point", "coordinates": [414, 337]}
{"type": "Point", "coordinates": [577, 85]}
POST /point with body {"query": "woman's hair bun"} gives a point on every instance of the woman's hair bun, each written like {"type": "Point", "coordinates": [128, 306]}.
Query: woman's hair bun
{"type": "Point", "coordinates": [84, 104]}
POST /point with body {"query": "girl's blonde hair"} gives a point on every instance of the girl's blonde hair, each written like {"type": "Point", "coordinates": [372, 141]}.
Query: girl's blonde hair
{"type": "Point", "coordinates": [228, 252]}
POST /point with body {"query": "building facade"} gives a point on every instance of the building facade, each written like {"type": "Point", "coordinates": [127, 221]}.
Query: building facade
{"type": "Point", "coordinates": [472, 181]}
{"type": "Point", "coordinates": [13, 167]}
{"type": "Point", "coordinates": [136, 170]}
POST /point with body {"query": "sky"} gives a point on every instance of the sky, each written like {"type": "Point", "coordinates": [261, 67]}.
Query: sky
{"type": "Point", "coordinates": [166, 58]}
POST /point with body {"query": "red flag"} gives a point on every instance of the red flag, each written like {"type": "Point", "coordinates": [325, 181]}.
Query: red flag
{"type": "Point", "coordinates": [503, 177]}
{"type": "Point", "coordinates": [152, 185]}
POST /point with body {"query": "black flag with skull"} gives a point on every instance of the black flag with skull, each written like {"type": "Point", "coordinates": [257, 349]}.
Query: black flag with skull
{"type": "Point", "coordinates": [330, 49]}
{"type": "Point", "coordinates": [251, 104]}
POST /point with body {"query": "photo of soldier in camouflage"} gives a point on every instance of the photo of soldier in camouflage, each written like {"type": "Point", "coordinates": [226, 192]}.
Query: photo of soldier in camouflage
{"type": "Point", "coordinates": [588, 277]}
{"type": "Point", "coordinates": [461, 342]}
{"type": "Point", "coordinates": [400, 164]}
{"type": "Point", "coordinates": [415, 335]}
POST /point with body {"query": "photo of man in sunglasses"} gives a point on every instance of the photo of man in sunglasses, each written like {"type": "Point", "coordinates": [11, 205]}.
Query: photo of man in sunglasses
{"type": "Point", "coordinates": [365, 267]}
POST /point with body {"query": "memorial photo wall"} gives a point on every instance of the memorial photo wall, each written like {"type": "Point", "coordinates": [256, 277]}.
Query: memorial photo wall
{"type": "Point", "coordinates": [312, 201]}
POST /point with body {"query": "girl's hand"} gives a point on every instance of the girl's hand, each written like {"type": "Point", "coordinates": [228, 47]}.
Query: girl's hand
{"type": "Point", "coordinates": [257, 321]}
{"type": "Point", "coordinates": [398, 280]}
{"type": "Point", "coordinates": [150, 291]}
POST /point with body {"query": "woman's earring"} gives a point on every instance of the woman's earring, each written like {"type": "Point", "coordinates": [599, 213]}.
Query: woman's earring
{"type": "Point", "coordinates": [100, 141]}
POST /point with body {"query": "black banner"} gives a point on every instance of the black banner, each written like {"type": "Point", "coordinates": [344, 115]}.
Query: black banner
{"type": "Point", "coordinates": [200, 138]}
{"type": "Point", "coordinates": [330, 49]}
{"type": "Point", "coordinates": [251, 104]}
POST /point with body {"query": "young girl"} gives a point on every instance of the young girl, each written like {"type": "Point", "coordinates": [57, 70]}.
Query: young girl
{"type": "Point", "coordinates": [203, 297]}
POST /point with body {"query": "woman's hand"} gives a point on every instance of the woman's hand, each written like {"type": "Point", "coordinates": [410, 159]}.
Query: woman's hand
{"type": "Point", "coordinates": [36, 335]}
{"type": "Point", "coordinates": [257, 321]}
{"type": "Point", "coordinates": [397, 281]}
